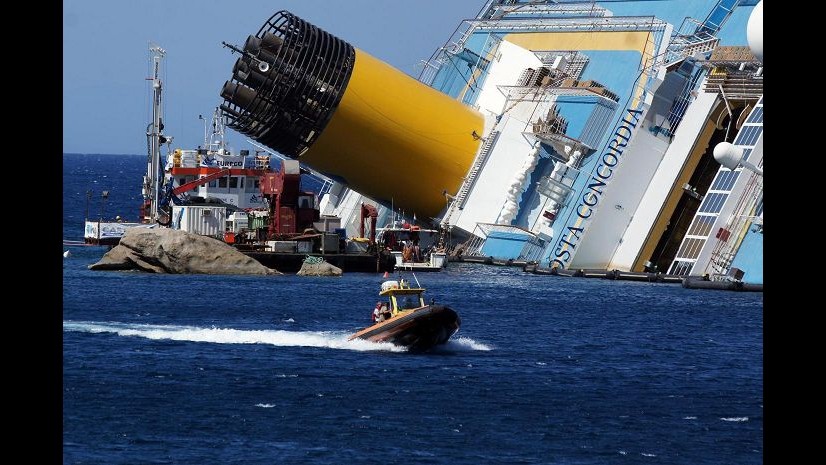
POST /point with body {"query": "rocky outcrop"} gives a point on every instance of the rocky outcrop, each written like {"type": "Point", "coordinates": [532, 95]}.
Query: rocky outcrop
{"type": "Point", "coordinates": [312, 268]}
{"type": "Point", "coordinates": [165, 250]}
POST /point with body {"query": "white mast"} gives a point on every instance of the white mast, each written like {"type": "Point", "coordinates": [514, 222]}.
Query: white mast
{"type": "Point", "coordinates": [216, 142]}
{"type": "Point", "coordinates": [154, 176]}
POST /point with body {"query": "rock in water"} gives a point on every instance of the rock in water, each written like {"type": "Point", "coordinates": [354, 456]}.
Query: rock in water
{"type": "Point", "coordinates": [310, 268]}
{"type": "Point", "coordinates": [165, 250]}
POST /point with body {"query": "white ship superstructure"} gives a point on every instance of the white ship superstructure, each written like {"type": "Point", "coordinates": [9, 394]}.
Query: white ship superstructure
{"type": "Point", "coordinates": [600, 123]}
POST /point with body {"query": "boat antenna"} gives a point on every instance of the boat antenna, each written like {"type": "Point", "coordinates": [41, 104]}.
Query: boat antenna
{"type": "Point", "coordinates": [417, 280]}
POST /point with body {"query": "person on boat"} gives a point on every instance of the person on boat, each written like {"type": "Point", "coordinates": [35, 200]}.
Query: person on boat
{"type": "Point", "coordinates": [417, 252]}
{"type": "Point", "coordinates": [407, 252]}
{"type": "Point", "coordinates": [377, 312]}
{"type": "Point", "coordinates": [384, 312]}
{"type": "Point", "coordinates": [390, 240]}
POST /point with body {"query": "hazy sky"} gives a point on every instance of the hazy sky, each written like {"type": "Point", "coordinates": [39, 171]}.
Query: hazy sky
{"type": "Point", "coordinates": [105, 57]}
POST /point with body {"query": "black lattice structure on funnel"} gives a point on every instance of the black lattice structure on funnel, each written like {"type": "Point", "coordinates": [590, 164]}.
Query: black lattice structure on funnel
{"type": "Point", "coordinates": [287, 84]}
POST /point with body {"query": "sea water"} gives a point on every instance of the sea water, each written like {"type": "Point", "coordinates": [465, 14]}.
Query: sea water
{"type": "Point", "coordinates": [544, 370]}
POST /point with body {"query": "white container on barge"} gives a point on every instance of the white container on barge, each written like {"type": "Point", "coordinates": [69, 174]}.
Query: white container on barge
{"type": "Point", "coordinates": [200, 219]}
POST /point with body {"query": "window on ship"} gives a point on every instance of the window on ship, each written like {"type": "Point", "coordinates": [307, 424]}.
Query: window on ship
{"type": "Point", "coordinates": [409, 301]}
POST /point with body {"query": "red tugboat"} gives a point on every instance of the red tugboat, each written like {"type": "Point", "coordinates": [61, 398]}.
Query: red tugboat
{"type": "Point", "coordinates": [405, 320]}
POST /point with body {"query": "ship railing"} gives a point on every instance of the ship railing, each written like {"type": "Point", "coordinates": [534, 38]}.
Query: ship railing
{"type": "Point", "coordinates": [546, 9]}
{"type": "Point", "coordinates": [458, 202]}
{"type": "Point", "coordinates": [325, 187]}
{"type": "Point", "coordinates": [738, 224]}
{"type": "Point", "coordinates": [541, 93]}
{"type": "Point", "coordinates": [584, 24]}
{"type": "Point", "coordinates": [532, 250]}
{"type": "Point", "coordinates": [473, 246]}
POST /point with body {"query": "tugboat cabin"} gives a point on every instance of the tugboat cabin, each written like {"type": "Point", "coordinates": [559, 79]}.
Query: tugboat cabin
{"type": "Point", "coordinates": [402, 297]}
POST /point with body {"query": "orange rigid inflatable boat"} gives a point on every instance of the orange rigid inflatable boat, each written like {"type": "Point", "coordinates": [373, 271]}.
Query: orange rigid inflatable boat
{"type": "Point", "coordinates": [405, 320]}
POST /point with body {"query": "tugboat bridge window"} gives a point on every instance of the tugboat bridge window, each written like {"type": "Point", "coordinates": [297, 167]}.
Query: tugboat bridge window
{"type": "Point", "coordinates": [233, 182]}
{"type": "Point", "coordinates": [409, 301]}
{"type": "Point", "coordinates": [222, 182]}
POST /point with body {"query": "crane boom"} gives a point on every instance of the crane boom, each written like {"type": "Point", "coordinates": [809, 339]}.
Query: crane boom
{"type": "Point", "coordinates": [200, 181]}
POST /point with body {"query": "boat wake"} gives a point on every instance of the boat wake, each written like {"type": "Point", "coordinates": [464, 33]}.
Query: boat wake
{"type": "Point", "coordinates": [462, 344]}
{"type": "Point", "coordinates": [279, 338]}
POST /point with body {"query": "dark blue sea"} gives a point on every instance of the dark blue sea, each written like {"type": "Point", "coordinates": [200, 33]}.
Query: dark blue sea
{"type": "Point", "coordinates": [258, 370]}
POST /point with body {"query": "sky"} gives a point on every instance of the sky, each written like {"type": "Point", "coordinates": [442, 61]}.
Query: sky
{"type": "Point", "coordinates": [105, 54]}
{"type": "Point", "coordinates": [105, 57]}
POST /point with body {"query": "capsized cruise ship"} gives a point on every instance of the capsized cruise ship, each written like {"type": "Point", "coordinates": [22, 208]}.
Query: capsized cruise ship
{"type": "Point", "coordinates": [620, 135]}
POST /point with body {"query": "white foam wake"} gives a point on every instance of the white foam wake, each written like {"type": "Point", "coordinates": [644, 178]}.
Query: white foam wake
{"type": "Point", "coordinates": [465, 344]}
{"type": "Point", "coordinates": [330, 340]}
{"type": "Point", "coordinates": [736, 419]}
